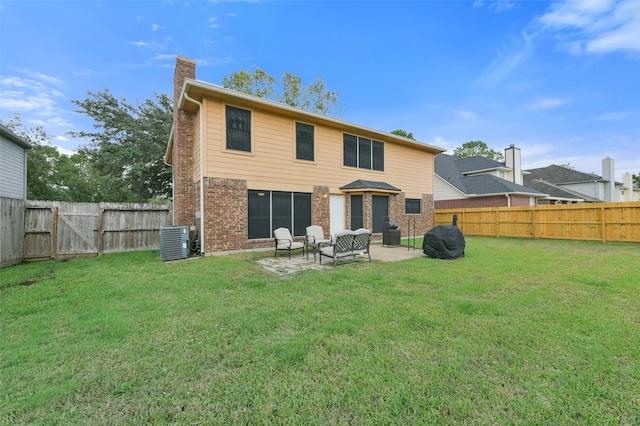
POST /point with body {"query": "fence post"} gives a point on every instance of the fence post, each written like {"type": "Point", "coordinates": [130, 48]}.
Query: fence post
{"type": "Point", "coordinates": [54, 232]}
{"type": "Point", "coordinates": [100, 231]}
{"type": "Point", "coordinates": [603, 225]}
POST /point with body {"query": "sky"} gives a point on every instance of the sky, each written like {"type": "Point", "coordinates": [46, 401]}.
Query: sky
{"type": "Point", "coordinates": [558, 79]}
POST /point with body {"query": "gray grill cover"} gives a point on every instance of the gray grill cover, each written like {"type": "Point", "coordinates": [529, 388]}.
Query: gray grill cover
{"type": "Point", "coordinates": [444, 242]}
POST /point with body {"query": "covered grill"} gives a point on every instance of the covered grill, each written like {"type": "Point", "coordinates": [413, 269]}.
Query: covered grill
{"type": "Point", "coordinates": [444, 242]}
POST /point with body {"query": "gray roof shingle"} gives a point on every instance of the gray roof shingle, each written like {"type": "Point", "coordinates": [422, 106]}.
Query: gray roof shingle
{"type": "Point", "coordinates": [453, 169]}
{"type": "Point", "coordinates": [370, 184]}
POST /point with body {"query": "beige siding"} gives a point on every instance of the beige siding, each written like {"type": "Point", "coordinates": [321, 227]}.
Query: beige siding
{"type": "Point", "coordinates": [272, 165]}
{"type": "Point", "coordinates": [445, 191]}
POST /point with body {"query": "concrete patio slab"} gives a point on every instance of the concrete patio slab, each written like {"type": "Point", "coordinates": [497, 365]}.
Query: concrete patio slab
{"type": "Point", "coordinates": [284, 267]}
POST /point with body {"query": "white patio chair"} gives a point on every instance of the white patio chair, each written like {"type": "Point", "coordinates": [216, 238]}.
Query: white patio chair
{"type": "Point", "coordinates": [284, 241]}
{"type": "Point", "coordinates": [315, 237]}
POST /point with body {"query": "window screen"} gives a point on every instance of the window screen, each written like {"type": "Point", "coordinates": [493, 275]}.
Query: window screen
{"type": "Point", "coordinates": [304, 141]}
{"type": "Point", "coordinates": [378, 155]}
{"type": "Point", "coordinates": [238, 129]}
{"type": "Point", "coordinates": [364, 154]}
{"type": "Point", "coordinates": [350, 151]}
{"type": "Point", "coordinates": [302, 213]}
{"type": "Point", "coordinates": [412, 206]}
{"type": "Point", "coordinates": [281, 211]}
{"type": "Point", "coordinates": [259, 214]}
{"type": "Point", "coordinates": [270, 210]}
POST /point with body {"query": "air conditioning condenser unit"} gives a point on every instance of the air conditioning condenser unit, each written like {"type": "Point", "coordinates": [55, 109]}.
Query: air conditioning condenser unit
{"type": "Point", "coordinates": [174, 242]}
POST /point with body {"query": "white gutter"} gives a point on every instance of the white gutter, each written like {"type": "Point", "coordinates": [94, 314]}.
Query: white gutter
{"type": "Point", "coordinates": [202, 126]}
{"type": "Point", "coordinates": [508, 200]}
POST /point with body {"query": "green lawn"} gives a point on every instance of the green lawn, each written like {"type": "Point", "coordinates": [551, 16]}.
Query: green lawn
{"type": "Point", "coordinates": [517, 332]}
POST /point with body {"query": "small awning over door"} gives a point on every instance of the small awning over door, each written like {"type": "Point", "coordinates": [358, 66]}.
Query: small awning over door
{"type": "Point", "coordinates": [361, 185]}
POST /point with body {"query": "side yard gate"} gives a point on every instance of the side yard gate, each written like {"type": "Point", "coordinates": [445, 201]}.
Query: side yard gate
{"type": "Point", "coordinates": [60, 230]}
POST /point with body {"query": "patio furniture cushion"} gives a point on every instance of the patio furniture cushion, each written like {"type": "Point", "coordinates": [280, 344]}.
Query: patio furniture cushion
{"type": "Point", "coordinates": [315, 237]}
{"type": "Point", "coordinates": [284, 241]}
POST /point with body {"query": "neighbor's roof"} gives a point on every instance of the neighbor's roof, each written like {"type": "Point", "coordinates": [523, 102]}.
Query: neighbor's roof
{"type": "Point", "coordinates": [196, 89]}
{"type": "Point", "coordinates": [561, 175]}
{"type": "Point", "coordinates": [360, 185]}
{"type": "Point", "coordinates": [453, 170]}
{"type": "Point", "coordinates": [558, 192]}
{"type": "Point", "coordinates": [8, 133]}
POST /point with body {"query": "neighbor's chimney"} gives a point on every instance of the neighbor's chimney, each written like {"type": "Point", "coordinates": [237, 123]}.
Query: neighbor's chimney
{"type": "Point", "coordinates": [609, 178]}
{"type": "Point", "coordinates": [627, 179]}
{"type": "Point", "coordinates": [513, 161]}
{"type": "Point", "coordinates": [185, 203]}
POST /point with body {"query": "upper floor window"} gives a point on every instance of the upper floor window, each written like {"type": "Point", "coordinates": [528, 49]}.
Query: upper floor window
{"type": "Point", "coordinates": [238, 129]}
{"type": "Point", "coordinates": [363, 153]}
{"type": "Point", "coordinates": [304, 141]}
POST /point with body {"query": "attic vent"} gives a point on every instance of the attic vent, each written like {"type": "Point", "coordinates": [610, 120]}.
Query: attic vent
{"type": "Point", "coordinates": [174, 242]}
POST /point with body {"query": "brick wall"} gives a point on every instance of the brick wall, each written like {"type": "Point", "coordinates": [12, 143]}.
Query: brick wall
{"type": "Point", "coordinates": [185, 188]}
{"type": "Point", "coordinates": [321, 207]}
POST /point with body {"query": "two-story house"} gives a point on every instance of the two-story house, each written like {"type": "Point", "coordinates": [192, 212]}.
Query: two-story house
{"type": "Point", "coordinates": [244, 166]}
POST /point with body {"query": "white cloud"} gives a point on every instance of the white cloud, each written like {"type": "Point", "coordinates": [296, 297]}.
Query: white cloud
{"type": "Point", "coordinates": [156, 27]}
{"type": "Point", "coordinates": [506, 60]}
{"type": "Point", "coordinates": [615, 116]}
{"type": "Point", "coordinates": [36, 97]}
{"type": "Point", "coordinates": [601, 26]}
{"type": "Point", "coordinates": [466, 115]}
{"type": "Point", "coordinates": [139, 43]}
{"type": "Point", "coordinates": [542, 104]}
{"type": "Point", "coordinates": [441, 142]}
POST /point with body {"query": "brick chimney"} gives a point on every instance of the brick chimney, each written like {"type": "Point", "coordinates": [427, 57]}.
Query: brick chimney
{"type": "Point", "coordinates": [185, 203]}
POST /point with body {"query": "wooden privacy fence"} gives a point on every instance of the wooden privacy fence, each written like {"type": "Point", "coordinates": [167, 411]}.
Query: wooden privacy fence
{"type": "Point", "coordinates": [11, 231]}
{"type": "Point", "coordinates": [60, 230]}
{"type": "Point", "coordinates": [596, 222]}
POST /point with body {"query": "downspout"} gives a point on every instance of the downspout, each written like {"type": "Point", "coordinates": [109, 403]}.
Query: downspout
{"type": "Point", "coordinates": [202, 126]}
{"type": "Point", "coordinates": [508, 200]}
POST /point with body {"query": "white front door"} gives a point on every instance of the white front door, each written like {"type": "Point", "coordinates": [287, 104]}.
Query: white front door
{"type": "Point", "coordinates": [336, 214]}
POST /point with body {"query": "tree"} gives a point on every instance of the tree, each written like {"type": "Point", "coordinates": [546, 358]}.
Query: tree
{"type": "Point", "coordinates": [636, 179]}
{"type": "Point", "coordinates": [127, 151]}
{"type": "Point", "coordinates": [403, 133]}
{"type": "Point", "coordinates": [50, 174]}
{"type": "Point", "coordinates": [473, 148]}
{"type": "Point", "coordinates": [314, 98]}
{"type": "Point", "coordinates": [258, 83]}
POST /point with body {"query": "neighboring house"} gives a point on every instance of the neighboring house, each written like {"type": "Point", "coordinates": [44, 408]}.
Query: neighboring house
{"type": "Point", "coordinates": [13, 164]}
{"type": "Point", "coordinates": [481, 182]}
{"type": "Point", "coordinates": [588, 187]}
{"type": "Point", "coordinates": [630, 191]}
{"type": "Point", "coordinates": [246, 166]}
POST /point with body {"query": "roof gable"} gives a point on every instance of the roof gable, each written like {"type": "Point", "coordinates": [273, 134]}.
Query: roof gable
{"type": "Point", "coordinates": [10, 136]}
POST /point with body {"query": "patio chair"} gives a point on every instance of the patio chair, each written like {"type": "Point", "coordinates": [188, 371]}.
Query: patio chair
{"type": "Point", "coordinates": [361, 242]}
{"type": "Point", "coordinates": [315, 237]}
{"type": "Point", "coordinates": [284, 241]}
{"type": "Point", "coordinates": [341, 246]}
